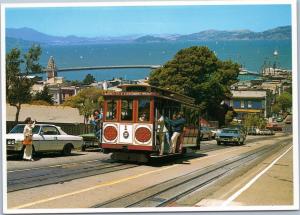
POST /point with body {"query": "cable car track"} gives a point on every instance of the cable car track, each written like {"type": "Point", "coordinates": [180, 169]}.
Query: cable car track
{"type": "Point", "coordinates": [30, 179]}
{"type": "Point", "coordinates": [168, 192]}
{"type": "Point", "coordinates": [36, 177]}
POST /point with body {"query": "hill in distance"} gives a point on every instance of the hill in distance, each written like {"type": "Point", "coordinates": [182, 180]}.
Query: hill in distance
{"type": "Point", "coordinates": [23, 35]}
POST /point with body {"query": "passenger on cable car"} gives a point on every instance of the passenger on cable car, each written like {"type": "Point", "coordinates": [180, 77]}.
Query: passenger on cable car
{"type": "Point", "coordinates": [97, 123]}
{"type": "Point", "coordinates": [164, 132]}
{"type": "Point", "coordinates": [143, 117]}
{"type": "Point", "coordinates": [177, 128]}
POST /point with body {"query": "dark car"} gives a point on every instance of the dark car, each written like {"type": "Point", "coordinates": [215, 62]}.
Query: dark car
{"type": "Point", "coordinates": [231, 135]}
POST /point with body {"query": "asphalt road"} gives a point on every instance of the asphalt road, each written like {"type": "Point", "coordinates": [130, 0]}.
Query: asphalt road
{"type": "Point", "coordinates": [86, 190]}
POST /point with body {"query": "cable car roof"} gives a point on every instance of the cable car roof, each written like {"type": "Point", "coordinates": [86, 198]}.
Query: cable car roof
{"type": "Point", "coordinates": [148, 90]}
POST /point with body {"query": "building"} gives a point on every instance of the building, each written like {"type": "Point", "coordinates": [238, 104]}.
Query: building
{"type": "Point", "coordinates": [61, 93]}
{"type": "Point", "coordinates": [248, 101]}
{"type": "Point", "coordinates": [52, 73]}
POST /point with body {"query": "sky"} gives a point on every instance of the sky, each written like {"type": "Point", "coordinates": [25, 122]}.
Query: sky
{"type": "Point", "coordinates": [120, 21]}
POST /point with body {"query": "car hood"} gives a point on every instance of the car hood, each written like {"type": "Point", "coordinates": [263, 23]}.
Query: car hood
{"type": "Point", "coordinates": [17, 137]}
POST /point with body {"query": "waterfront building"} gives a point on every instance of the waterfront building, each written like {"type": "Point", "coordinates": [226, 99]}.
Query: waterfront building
{"type": "Point", "coordinates": [251, 101]}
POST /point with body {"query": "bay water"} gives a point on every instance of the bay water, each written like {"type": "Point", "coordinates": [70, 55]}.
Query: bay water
{"type": "Point", "coordinates": [252, 55]}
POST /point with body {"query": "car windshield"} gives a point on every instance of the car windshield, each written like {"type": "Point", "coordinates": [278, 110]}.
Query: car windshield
{"type": "Point", "coordinates": [18, 129]}
{"type": "Point", "coordinates": [230, 131]}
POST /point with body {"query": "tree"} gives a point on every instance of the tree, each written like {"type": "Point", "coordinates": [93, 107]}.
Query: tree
{"type": "Point", "coordinates": [284, 101]}
{"type": "Point", "coordinates": [229, 117]}
{"type": "Point", "coordinates": [86, 101]}
{"type": "Point", "coordinates": [198, 73]}
{"type": "Point", "coordinates": [18, 86]}
{"type": "Point", "coordinates": [89, 79]}
{"type": "Point", "coordinates": [254, 120]}
{"type": "Point", "coordinates": [276, 108]}
{"type": "Point", "coordinates": [44, 95]}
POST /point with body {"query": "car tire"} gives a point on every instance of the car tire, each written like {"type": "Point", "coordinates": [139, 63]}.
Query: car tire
{"type": "Point", "coordinates": [67, 149]}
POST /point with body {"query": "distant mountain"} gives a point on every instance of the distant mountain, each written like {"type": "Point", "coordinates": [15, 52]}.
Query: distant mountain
{"type": "Point", "coordinates": [280, 33]}
{"type": "Point", "coordinates": [25, 35]}
{"type": "Point", "coordinates": [149, 38]}
{"type": "Point", "coordinates": [28, 34]}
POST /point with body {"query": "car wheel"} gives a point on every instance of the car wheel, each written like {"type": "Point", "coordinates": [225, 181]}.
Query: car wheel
{"type": "Point", "coordinates": [67, 149]}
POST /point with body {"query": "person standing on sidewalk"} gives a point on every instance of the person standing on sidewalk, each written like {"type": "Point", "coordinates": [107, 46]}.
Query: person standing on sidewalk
{"type": "Point", "coordinates": [28, 139]}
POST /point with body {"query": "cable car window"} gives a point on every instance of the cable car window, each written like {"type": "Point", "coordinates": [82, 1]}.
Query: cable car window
{"type": "Point", "coordinates": [111, 113]}
{"type": "Point", "coordinates": [126, 109]}
{"type": "Point", "coordinates": [144, 109]}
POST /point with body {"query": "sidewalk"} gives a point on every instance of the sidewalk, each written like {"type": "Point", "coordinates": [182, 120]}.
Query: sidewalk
{"type": "Point", "coordinates": [272, 187]}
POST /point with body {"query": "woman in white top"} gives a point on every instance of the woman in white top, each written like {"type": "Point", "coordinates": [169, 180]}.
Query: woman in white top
{"type": "Point", "coordinates": [28, 139]}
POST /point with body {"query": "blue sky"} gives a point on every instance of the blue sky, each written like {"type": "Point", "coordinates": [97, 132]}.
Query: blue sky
{"type": "Point", "coordinates": [116, 21]}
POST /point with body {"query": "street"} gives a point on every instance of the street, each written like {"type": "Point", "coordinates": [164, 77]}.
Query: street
{"type": "Point", "coordinates": [209, 177]}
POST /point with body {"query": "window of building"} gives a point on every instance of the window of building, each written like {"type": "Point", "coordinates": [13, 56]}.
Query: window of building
{"type": "Point", "coordinates": [126, 109]}
{"type": "Point", "coordinates": [144, 109]}
{"type": "Point", "coordinates": [242, 104]}
{"type": "Point", "coordinates": [249, 104]}
{"type": "Point", "coordinates": [111, 112]}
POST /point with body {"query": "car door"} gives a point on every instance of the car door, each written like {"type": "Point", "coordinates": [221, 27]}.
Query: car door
{"type": "Point", "coordinates": [49, 134]}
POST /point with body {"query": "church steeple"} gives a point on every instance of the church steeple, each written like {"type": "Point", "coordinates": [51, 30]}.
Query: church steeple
{"type": "Point", "coordinates": [51, 68]}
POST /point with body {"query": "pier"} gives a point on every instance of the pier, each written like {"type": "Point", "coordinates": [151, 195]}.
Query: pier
{"type": "Point", "coordinates": [53, 68]}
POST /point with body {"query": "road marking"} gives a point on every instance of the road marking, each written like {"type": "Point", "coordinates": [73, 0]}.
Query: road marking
{"type": "Point", "coordinates": [109, 183]}
{"type": "Point", "coordinates": [105, 184]}
{"type": "Point", "coordinates": [253, 180]}
{"type": "Point", "coordinates": [58, 165]}
{"type": "Point", "coordinates": [91, 188]}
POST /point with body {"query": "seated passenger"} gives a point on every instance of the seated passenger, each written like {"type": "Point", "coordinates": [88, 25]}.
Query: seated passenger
{"type": "Point", "coordinates": [143, 117]}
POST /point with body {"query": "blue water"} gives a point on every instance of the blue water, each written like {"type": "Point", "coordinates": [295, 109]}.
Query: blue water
{"type": "Point", "coordinates": [250, 54]}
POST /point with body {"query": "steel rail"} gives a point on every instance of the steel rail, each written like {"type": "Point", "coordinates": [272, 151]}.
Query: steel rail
{"type": "Point", "coordinates": [165, 193]}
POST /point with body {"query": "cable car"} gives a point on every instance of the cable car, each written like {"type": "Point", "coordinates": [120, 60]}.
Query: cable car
{"type": "Point", "coordinates": [137, 123]}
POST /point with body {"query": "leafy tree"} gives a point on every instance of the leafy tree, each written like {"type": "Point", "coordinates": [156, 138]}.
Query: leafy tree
{"type": "Point", "coordinates": [284, 101]}
{"type": "Point", "coordinates": [276, 108]}
{"type": "Point", "coordinates": [89, 79]}
{"type": "Point", "coordinates": [254, 120]}
{"type": "Point", "coordinates": [229, 117]}
{"type": "Point", "coordinates": [86, 101]}
{"type": "Point", "coordinates": [18, 86]}
{"type": "Point", "coordinates": [44, 95]}
{"type": "Point", "coordinates": [198, 73]}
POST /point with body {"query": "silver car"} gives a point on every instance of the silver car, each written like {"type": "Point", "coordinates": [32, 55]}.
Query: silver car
{"type": "Point", "coordinates": [46, 138]}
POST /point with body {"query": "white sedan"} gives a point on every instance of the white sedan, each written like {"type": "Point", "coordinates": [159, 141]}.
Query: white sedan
{"type": "Point", "coordinates": [46, 138]}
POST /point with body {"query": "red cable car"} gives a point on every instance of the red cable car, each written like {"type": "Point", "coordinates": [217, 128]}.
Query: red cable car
{"type": "Point", "coordinates": [136, 123]}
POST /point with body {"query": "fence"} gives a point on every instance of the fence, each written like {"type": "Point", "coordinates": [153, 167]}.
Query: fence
{"type": "Point", "coordinates": [69, 128]}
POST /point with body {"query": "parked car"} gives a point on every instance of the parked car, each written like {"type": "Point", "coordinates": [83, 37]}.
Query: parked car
{"type": "Point", "coordinates": [242, 128]}
{"type": "Point", "coordinates": [288, 119]}
{"type": "Point", "coordinates": [252, 131]}
{"type": "Point", "coordinates": [274, 127]}
{"type": "Point", "coordinates": [205, 133]}
{"type": "Point", "coordinates": [279, 119]}
{"type": "Point", "coordinates": [89, 141]}
{"type": "Point", "coordinates": [231, 135]}
{"type": "Point", "coordinates": [46, 138]}
{"type": "Point", "coordinates": [265, 132]}
{"type": "Point", "coordinates": [213, 132]}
